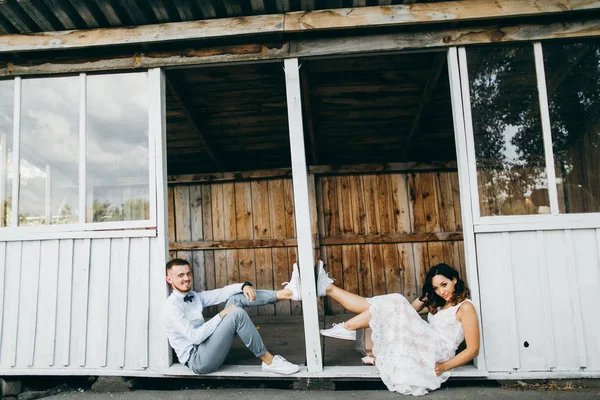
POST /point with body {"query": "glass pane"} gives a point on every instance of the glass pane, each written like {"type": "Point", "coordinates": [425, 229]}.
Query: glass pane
{"type": "Point", "coordinates": [6, 147]}
{"type": "Point", "coordinates": [49, 167]}
{"type": "Point", "coordinates": [511, 173]}
{"type": "Point", "coordinates": [573, 81]}
{"type": "Point", "coordinates": [117, 148]}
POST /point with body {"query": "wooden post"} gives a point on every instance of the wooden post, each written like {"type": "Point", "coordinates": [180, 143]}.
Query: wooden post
{"type": "Point", "coordinates": [158, 136]}
{"type": "Point", "coordinates": [302, 214]}
{"type": "Point", "coordinates": [467, 199]}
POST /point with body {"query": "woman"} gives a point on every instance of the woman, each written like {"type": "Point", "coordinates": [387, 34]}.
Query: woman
{"type": "Point", "coordinates": [413, 356]}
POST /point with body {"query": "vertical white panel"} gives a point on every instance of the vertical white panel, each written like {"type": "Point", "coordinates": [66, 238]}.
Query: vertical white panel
{"type": "Point", "coordinates": [465, 183]}
{"type": "Point", "coordinates": [97, 332]}
{"type": "Point", "coordinates": [546, 128]}
{"type": "Point", "coordinates": [123, 305]}
{"type": "Point", "coordinates": [575, 303]}
{"type": "Point", "coordinates": [560, 301]}
{"type": "Point", "coordinates": [136, 352]}
{"type": "Point", "coordinates": [11, 307]}
{"type": "Point", "coordinates": [546, 311]}
{"type": "Point", "coordinates": [158, 286]}
{"type": "Point", "coordinates": [64, 303]}
{"type": "Point", "coordinates": [46, 322]}
{"type": "Point", "coordinates": [117, 291]}
{"type": "Point", "coordinates": [159, 348]}
{"type": "Point", "coordinates": [81, 280]}
{"type": "Point", "coordinates": [498, 313]}
{"type": "Point", "coordinates": [28, 302]}
{"type": "Point", "coordinates": [2, 288]}
{"type": "Point", "coordinates": [530, 302]}
{"type": "Point", "coordinates": [302, 215]}
{"type": "Point", "coordinates": [16, 155]}
{"type": "Point", "coordinates": [82, 147]}
{"type": "Point", "coordinates": [586, 246]}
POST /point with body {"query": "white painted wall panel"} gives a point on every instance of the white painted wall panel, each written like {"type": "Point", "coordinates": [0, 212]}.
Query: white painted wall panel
{"type": "Point", "coordinates": [8, 344]}
{"type": "Point", "coordinates": [586, 246]}
{"type": "Point", "coordinates": [97, 333]}
{"type": "Point", "coordinates": [497, 313]}
{"type": "Point", "coordinates": [529, 302]}
{"type": "Point", "coordinates": [47, 311]}
{"type": "Point", "coordinates": [560, 301]}
{"type": "Point", "coordinates": [551, 278]}
{"type": "Point", "coordinates": [64, 303]}
{"type": "Point", "coordinates": [28, 303]}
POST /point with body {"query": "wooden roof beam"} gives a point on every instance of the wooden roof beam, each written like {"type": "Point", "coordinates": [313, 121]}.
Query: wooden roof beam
{"type": "Point", "coordinates": [258, 6]}
{"type": "Point", "coordinates": [233, 9]}
{"type": "Point", "coordinates": [361, 17]}
{"type": "Point", "coordinates": [136, 14]}
{"type": "Point", "coordinates": [195, 125]}
{"type": "Point", "coordinates": [17, 17]}
{"type": "Point", "coordinates": [110, 12]}
{"type": "Point", "coordinates": [184, 10]}
{"type": "Point", "coordinates": [436, 71]}
{"type": "Point", "coordinates": [283, 6]}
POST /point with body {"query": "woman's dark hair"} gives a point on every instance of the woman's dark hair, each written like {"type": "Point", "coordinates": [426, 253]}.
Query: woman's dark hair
{"type": "Point", "coordinates": [433, 302]}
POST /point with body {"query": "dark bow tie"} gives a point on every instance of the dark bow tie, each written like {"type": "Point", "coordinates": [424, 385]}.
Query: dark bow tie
{"type": "Point", "coordinates": [188, 298]}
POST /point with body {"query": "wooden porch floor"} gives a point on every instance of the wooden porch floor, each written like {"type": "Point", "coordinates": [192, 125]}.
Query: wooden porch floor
{"type": "Point", "coordinates": [285, 336]}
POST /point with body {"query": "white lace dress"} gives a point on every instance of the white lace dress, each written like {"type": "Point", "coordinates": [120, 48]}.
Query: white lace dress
{"type": "Point", "coordinates": [406, 347]}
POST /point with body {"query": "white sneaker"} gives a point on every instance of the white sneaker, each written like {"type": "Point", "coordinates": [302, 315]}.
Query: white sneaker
{"type": "Point", "coordinates": [280, 365]}
{"type": "Point", "coordinates": [294, 284]}
{"type": "Point", "coordinates": [339, 331]}
{"type": "Point", "coordinates": [323, 280]}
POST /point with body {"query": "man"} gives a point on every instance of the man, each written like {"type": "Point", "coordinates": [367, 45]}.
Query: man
{"type": "Point", "coordinates": [203, 346]}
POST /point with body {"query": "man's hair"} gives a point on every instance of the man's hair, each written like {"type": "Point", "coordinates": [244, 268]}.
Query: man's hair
{"type": "Point", "coordinates": [176, 261]}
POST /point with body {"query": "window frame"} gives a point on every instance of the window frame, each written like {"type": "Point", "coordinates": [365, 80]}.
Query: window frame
{"type": "Point", "coordinates": [15, 231]}
{"type": "Point", "coordinates": [500, 223]}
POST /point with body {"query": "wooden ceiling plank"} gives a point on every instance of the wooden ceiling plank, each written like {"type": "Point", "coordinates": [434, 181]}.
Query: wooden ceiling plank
{"type": "Point", "coordinates": [258, 6]}
{"type": "Point", "coordinates": [18, 18]}
{"type": "Point", "coordinates": [195, 125]}
{"type": "Point", "coordinates": [439, 63]}
{"type": "Point", "coordinates": [208, 8]}
{"type": "Point", "coordinates": [359, 3]}
{"type": "Point", "coordinates": [307, 5]}
{"type": "Point", "coordinates": [334, 4]}
{"type": "Point", "coordinates": [135, 12]}
{"type": "Point", "coordinates": [110, 13]}
{"type": "Point", "coordinates": [184, 10]}
{"type": "Point", "coordinates": [6, 26]}
{"type": "Point", "coordinates": [282, 5]}
{"type": "Point", "coordinates": [40, 14]}
{"type": "Point", "coordinates": [232, 7]}
{"type": "Point", "coordinates": [83, 8]}
{"type": "Point", "coordinates": [160, 10]}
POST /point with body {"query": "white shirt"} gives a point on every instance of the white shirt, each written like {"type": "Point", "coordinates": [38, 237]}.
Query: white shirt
{"type": "Point", "coordinates": [184, 322]}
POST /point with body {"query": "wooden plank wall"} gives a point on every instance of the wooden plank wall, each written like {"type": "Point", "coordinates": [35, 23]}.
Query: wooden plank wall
{"type": "Point", "coordinates": [69, 304]}
{"type": "Point", "coordinates": [353, 206]}
{"type": "Point", "coordinates": [547, 317]}
{"type": "Point", "coordinates": [217, 227]}
{"type": "Point", "coordinates": [236, 211]}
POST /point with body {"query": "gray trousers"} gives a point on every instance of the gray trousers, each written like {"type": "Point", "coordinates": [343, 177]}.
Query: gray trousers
{"type": "Point", "coordinates": [209, 355]}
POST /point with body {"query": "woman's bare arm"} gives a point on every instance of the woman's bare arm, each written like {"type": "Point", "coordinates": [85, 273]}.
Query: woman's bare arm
{"type": "Point", "coordinates": [468, 317]}
{"type": "Point", "coordinates": [419, 306]}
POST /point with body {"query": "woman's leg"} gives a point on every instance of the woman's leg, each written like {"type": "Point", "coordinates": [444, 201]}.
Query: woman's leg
{"type": "Point", "coordinates": [352, 302]}
{"type": "Point", "coordinates": [359, 321]}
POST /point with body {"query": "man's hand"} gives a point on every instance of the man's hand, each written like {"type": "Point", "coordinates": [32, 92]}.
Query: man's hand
{"type": "Point", "coordinates": [226, 310]}
{"type": "Point", "coordinates": [249, 292]}
{"type": "Point", "coordinates": [440, 369]}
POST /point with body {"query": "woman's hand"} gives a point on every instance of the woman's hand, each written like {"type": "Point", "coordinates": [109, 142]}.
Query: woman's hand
{"type": "Point", "coordinates": [440, 368]}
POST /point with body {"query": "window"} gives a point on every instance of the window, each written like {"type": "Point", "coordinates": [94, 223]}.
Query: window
{"type": "Point", "coordinates": [573, 86]}
{"type": "Point", "coordinates": [509, 147]}
{"type": "Point", "coordinates": [83, 151]}
{"type": "Point", "coordinates": [117, 148]}
{"type": "Point", "coordinates": [49, 160]}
